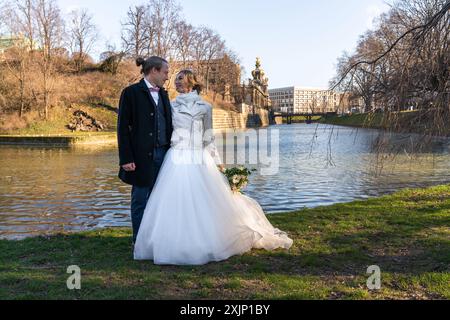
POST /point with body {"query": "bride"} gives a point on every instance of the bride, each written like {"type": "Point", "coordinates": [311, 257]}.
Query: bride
{"type": "Point", "coordinates": [192, 217]}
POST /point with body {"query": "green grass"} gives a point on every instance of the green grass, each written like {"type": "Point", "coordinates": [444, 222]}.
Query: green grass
{"type": "Point", "coordinates": [303, 118]}
{"type": "Point", "coordinates": [405, 121]}
{"type": "Point", "coordinates": [406, 234]}
{"type": "Point", "coordinates": [366, 120]}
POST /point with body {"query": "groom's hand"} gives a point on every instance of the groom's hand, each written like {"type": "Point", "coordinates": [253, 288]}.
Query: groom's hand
{"type": "Point", "coordinates": [129, 167]}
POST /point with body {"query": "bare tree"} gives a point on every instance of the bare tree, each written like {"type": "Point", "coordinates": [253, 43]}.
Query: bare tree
{"type": "Point", "coordinates": [83, 34]}
{"type": "Point", "coordinates": [50, 26]}
{"type": "Point", "coordinates": [405, 64]}
{"type": "Point", "coordinates": [50, 32]}
{"type": "Point", "coordinates": [164, 15]}
{"type": "Point", "coordinates": [157, 29]}
{"type": "Point", "coordinates": [20, 23]}
{"type": "Point", "coordinates": [184, 39]}
{"type": "Point", "coordinates": [17, 60]}
{"type": "Point", "coordinates": [152, 29]}
{"type": "Point", "coordinates": [26, 21]}
{"type": "Point", "coordinates": [137, 32]}
{"type": "Point", "coordinates": [214, 49]}
{"type": "Point", "coordinates": [199, 49]}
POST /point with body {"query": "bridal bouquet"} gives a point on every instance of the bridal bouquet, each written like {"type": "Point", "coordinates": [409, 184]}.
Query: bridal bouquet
{"type": "Point", "coordinates": [237, 177]}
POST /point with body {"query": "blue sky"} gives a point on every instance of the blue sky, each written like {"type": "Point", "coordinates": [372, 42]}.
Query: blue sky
{"type": "Point", "coordinates": [298, 41]}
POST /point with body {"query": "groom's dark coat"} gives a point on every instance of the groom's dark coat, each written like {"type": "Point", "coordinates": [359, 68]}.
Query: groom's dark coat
{"type": "Point", "coordinates": [136, 132]}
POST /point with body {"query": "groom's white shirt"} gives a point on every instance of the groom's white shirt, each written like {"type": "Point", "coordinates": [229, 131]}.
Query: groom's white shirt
{"type": "Point", "coordinates": [155, 95]}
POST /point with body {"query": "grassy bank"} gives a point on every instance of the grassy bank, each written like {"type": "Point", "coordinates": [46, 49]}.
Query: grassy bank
{"type": "Point", "coordinates": [302, 119]}
{"type": "Point", "coordinates": [366, 120]}
{"type": "Point", "coordinates": [406, 234]}
{"type": "Point", "coordinates": [421, 122]}
{"type": "Point", "coordinates": [54, 131]}
{"type": "Point", "coordinates": [56, 125]}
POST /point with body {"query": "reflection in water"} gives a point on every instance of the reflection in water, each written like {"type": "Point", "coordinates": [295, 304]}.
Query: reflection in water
{"type": "Point", "coordinates": [46, 190]}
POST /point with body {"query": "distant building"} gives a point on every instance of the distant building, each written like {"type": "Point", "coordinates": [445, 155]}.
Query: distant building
{"type": "Point", "coordinates": [304, 100]}
{"type": "Point", "coordinates": [13, 41]}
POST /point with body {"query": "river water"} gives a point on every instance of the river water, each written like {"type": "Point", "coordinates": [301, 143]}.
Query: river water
{"type": "Point", "coordinates": [44, 190]}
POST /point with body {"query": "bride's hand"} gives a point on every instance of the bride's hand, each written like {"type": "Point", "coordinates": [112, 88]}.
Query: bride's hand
{"type": "Point", "coordinates": [221, 167]}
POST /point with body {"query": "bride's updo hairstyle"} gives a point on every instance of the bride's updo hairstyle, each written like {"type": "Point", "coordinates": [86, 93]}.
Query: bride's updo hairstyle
{"type": "Point", "coordinates": [150, 63]}
{"type": "Point", "coordinates": [192, 80]}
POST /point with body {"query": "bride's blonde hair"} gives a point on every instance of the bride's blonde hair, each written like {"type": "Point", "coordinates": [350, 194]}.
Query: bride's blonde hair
{"type": "Point", "coordinates": [192, 80]}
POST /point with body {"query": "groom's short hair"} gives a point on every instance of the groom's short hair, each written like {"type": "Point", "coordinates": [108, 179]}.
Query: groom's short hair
{"type": "Point", "coordinates": [154, 62]}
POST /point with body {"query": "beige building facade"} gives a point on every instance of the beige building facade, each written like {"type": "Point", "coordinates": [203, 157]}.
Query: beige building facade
{"type": "Point", "coordinates": [304, 100]}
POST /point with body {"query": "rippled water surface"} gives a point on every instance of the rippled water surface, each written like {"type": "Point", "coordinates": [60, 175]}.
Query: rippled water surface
{"type": "Point", "coordinates": [45, 190]}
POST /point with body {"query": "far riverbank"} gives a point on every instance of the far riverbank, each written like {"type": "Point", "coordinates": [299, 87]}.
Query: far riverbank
{"type": "Point", "coordinates": [408, 121]}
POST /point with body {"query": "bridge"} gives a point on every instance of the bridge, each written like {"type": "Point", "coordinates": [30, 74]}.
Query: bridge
{"type": "Point", "coordinates": [308, 116]}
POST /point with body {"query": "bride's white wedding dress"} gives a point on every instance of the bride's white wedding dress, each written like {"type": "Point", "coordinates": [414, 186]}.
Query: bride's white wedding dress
{"type": "Point", "coordinates": [192, 216]}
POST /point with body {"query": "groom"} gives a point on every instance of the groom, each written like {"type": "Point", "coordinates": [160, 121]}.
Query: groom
{"type": "Point", "coordinates": [144, 131]}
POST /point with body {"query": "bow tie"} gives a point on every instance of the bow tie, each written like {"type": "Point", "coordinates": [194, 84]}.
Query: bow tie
{"type": "Point", "coordinates": [154, 89]}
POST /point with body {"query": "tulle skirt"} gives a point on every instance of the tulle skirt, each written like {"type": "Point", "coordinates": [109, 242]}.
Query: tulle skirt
{"type": "Point", "coordinates": [192, 217]}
